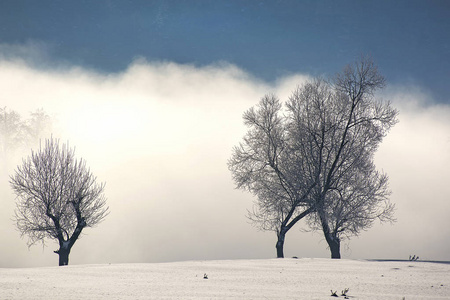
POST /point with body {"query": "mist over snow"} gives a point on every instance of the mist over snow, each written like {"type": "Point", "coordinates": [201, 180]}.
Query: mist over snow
{"type": "Point", "coordinates": [160, 134]}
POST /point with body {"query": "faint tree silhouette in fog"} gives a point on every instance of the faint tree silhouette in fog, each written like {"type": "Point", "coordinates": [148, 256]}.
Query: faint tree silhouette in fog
{"type": "Point", "coordinates": [12, 132]}
{"type": "Point", "coordinates": [57, 197]}
{"type": "Point", "coordinates": [17, 133]}
{"type": "Point", "coordinates": [315, 158]}
{"type": "Point", "coordinates": [39, 125]}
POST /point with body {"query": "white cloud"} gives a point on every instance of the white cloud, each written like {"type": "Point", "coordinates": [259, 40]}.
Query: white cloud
{"type": "Point", "coordinates": [160, 134]}
{"type": "Point", "coordinates": [416, 156]}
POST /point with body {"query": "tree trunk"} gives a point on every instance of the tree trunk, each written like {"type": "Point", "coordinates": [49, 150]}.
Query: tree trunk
{"type": "Point", "coordinates": [66, 245]}
{"type": "Point", "coordinates": [63, 256]}
{"type": "Point", "coordinates": [63, 252]}
{"type": "Point", "coordinates": [335, 247]}
{"type": "Point", "coordinates": [280, 243]}
{"type": "Point", "coordinates": [332, 239]}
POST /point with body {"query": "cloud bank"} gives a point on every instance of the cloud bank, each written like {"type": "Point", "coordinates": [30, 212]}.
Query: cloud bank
{"type": "Point", "coordinates": [160, 134]}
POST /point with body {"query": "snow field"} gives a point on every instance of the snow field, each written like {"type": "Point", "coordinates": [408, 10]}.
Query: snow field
{"type": "Point", "coordinates": [232, 279]}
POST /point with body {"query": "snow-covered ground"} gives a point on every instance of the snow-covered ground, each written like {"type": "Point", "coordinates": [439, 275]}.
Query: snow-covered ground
{"type": "Point", "coordinates": [237, 279]}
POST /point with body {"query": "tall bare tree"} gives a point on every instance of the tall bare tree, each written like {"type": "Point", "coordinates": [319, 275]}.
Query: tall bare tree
{"type": "Point", "coordinates": [272, 166]}
{"type": "Point", "coordinates": [316, 157]}
{"type": "Point", "coordinates": [349, 124]}
{"type": "Point", "coordinates": [58, 197]}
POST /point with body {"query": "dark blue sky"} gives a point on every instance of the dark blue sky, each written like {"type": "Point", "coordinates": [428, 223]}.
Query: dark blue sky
{"type": "Point", "coordinates": [409, 40]}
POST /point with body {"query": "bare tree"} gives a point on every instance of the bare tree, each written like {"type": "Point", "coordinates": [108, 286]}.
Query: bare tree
{"type": "Point", "coordinates": [39, 125]}
{"type": "Point", "coordinates": [57, 197]}
{"type": "Point", "coordinates": [18, 134]}
{"type": "Point", "coordinates": [268, 165]}
{"type": "Point", "coordinates": [349, 125]}
{"type": "Point", "coordinates": [12, 131]}
{"type": "Point", "coordinates": [315, 158]}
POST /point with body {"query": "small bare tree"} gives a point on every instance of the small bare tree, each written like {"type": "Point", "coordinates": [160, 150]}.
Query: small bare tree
{"type": "Point", "coordinates": [57, 197]}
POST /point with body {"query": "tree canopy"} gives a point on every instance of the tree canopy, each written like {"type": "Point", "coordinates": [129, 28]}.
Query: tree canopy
{"type": "Point", "coordinates": [57, 196]}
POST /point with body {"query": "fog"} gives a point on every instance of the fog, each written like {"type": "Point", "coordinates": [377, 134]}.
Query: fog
{"type": "Point", "coordinates": [159, 134]}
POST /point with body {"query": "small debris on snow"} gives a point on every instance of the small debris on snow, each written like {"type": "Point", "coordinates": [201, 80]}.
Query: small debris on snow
{"type": "Point", "coordinates": [413, 258]}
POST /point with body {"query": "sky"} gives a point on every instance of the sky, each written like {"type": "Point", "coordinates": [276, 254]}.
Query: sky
{"type": "Point", "coordinates": [151, 94]}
